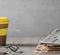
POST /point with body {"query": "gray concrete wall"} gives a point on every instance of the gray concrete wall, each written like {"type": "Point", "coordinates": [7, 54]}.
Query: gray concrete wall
{"type": "Point", "coordinates": [31, 18]}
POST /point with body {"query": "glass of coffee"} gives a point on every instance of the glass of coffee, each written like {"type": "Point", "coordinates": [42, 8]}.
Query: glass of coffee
{"type": "Point", "coordinates": [3, 30]}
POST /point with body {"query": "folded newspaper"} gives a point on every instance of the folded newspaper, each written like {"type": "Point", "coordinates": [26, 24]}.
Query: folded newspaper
{"type": "Point", "coordinates": [10, 50]}
{"type": "Point", "coordinates": [50, 43]}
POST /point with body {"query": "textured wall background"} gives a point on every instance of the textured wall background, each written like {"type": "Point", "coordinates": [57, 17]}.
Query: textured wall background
{"type": "Point", "coordinates": [31, 18]}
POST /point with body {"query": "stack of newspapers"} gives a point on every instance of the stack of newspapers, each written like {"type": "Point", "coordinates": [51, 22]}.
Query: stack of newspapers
{"type": "Point", "coordinates": [50, 43]}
